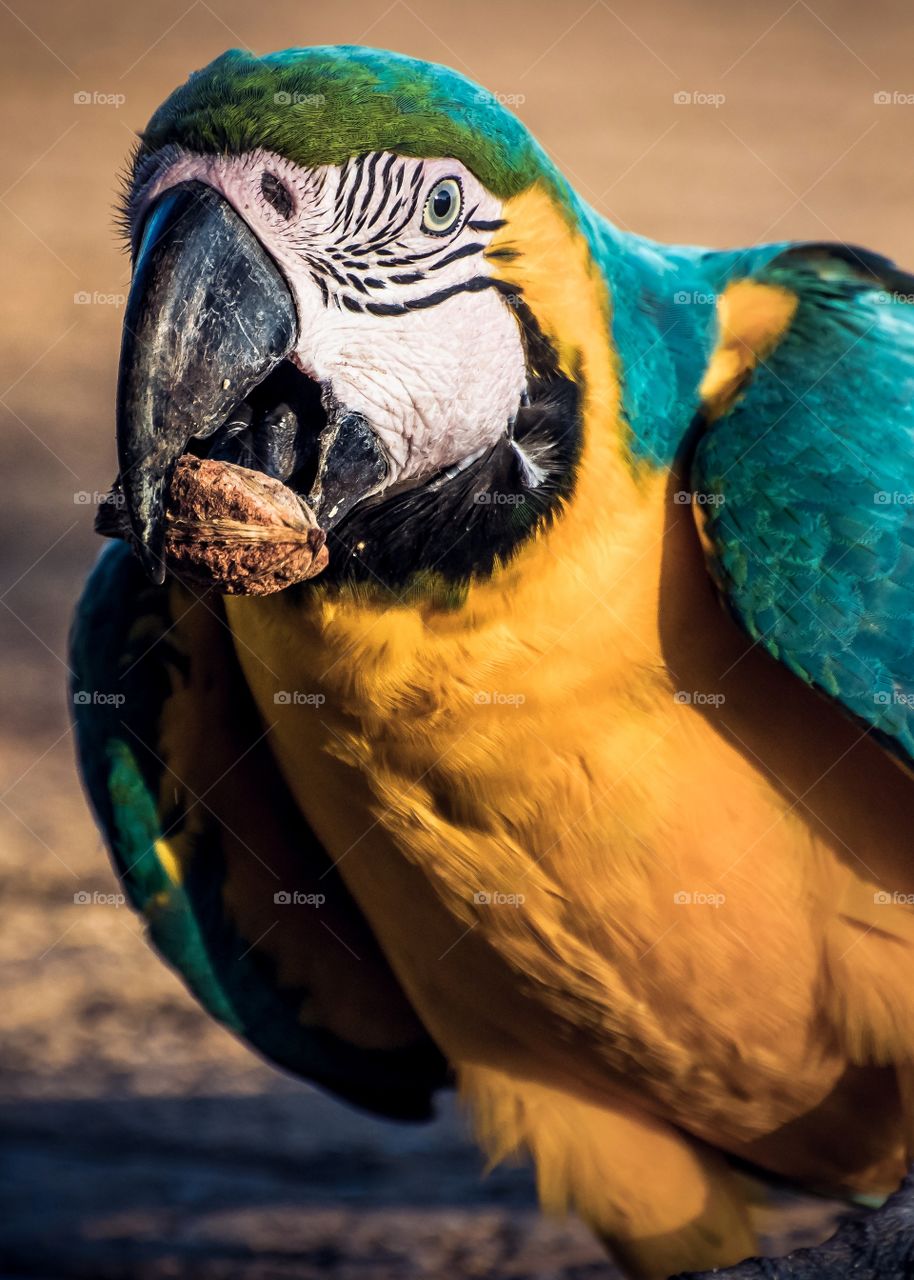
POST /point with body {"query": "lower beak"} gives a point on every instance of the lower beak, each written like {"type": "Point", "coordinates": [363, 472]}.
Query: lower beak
{"type": "Point", "coordinates": [208, 316]}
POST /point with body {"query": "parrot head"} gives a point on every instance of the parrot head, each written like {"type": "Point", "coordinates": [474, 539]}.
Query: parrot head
{"type": "Point", "coordinates": [360, 274]}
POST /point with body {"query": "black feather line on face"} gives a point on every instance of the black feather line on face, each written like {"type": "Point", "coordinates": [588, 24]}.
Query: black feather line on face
{"type": "Point", "coordinates": [321, 284]}
{"type": "Point", "coordinates": [368, 193]}
{"type": "Point", "coordinates": [474, 285]}
{"type": "Point", "coordinates": [465, 251]}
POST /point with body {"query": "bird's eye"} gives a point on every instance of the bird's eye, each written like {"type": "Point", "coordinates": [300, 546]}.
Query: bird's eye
{"type": "Point", "coordinates": [442, 208]}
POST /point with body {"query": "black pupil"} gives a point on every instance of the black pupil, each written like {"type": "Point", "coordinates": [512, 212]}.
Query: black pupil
{"type": "Point", "coordinates": [441, 203]}
{"type": "Point", "coordinates": [276, 194]}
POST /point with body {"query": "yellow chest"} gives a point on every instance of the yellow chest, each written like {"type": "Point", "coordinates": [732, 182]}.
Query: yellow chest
{"type": "Point", "coordinates": [573, 807]}
{"type": "Point", "coordinates": [569, 809]}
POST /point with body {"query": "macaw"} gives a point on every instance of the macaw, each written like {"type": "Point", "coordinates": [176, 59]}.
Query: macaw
{"type": "Point", "coordinates": [581, 778]}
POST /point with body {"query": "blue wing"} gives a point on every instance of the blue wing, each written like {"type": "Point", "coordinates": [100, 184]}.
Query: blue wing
{"type": "Point", "coordinates": [804, 476]}
{"type": "Point", "coordinates": [209, 844]}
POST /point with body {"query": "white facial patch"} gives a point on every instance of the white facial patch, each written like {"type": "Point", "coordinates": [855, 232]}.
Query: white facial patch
{"type": "Point", "coordinates": [398, 313]}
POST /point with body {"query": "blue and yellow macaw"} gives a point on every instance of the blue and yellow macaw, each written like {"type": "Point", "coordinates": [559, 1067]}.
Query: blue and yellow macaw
{"type": "Point", "coordinates": [505, 797]}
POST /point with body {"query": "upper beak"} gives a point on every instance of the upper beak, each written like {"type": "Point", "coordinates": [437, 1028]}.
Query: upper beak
{"type": "Point", "coordinates": [208, 316]}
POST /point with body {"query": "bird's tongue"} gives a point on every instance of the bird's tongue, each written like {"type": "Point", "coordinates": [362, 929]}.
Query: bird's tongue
{"type": "Point", "coordinates": [292, 428]}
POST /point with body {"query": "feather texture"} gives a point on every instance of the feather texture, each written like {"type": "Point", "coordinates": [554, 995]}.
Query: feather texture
{"type": "Point", "coordinates": [611, 850]}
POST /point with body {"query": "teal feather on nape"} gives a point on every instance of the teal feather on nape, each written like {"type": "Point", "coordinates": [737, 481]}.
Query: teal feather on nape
{"type": "Point", "coordinates": [208, 844]}
{"type": "Point", "coordinates": [808, 488]}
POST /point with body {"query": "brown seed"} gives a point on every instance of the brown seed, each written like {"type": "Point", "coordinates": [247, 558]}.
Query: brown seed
{"type": "Point", "coordinates": [231, 528]}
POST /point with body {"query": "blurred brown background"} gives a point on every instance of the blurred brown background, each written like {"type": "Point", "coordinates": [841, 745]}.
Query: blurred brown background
{"type": "Point", "coordinates": [137, 1138]}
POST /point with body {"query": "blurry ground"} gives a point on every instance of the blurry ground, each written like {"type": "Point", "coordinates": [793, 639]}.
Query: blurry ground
{"type": "Point", "coordinates": [136, 1138]}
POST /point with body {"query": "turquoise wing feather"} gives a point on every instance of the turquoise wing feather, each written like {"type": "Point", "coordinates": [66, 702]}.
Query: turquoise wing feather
{"type": "Point", "coordinates": [212, 851]}
{"type": "Point", "coordinates": [805, 488]}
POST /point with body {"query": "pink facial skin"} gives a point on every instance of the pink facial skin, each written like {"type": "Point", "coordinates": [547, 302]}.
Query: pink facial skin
{"type": "Point", "coordinates": [438, 383]}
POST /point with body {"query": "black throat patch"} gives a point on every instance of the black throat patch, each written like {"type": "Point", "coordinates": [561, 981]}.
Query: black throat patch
{"type": "Point", "coordinates": [461, 524]}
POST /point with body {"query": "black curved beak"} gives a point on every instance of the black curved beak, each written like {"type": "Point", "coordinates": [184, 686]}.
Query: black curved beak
{"type": "Point", "coordinates": [208, 316]}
